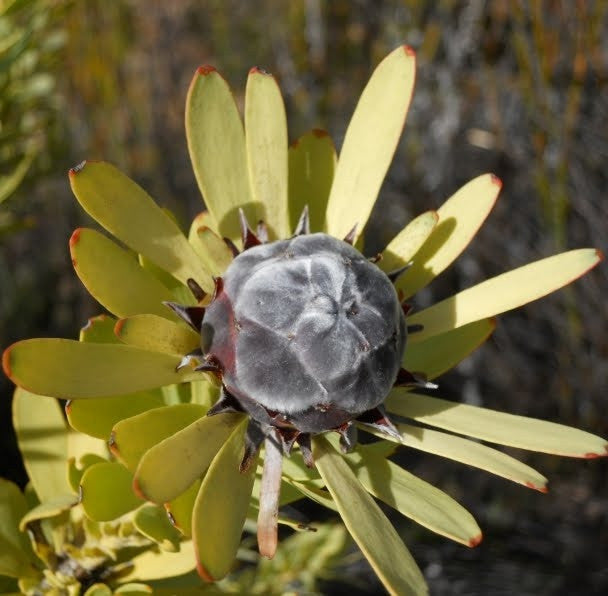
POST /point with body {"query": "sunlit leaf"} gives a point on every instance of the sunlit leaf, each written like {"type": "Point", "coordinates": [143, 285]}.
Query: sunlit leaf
{"type": "Point", "coordinates": [157, 334]}
{"type": "Point", "coordinates": [181, 508]}
{"type": "Point", "coordinates": [153, 565]}
{"type": "Point", "coordinates": [128, 212]}
{"type": "Point", "coordinates": [48, 509]}
{"type": "Point", "coordinates": [440, 353]}
{"type": "Point", "coordinates": [216, 143]}
{"type": "Point", "coordinates": [204, 393]}
{"type": "Point", "coordinates": [505, 292]}
{"type": "Point", "coordinates": [184, 457]}
{"type": "Point", "coordinates": [314, 493]}
{"type": "Point", "coordinates": [370, 142]}
{"type": "Point", "coordinates": [217, 520]}
{"type": "Point", "coordinates": [115, 278]}
{"type": "Point", "coordinates": [212, 249]}
{"type": "Point", "coordinates": [407, 243]}
{"type": "Point", "coordinates": [366, 523]}
{"type": "Point", "coordinates": [414, 498]}
{"type": "Point", "coordinates": [99, 329]}
{"type": "Point", "coordinates": [459, 219]}
{"type": "Point", "coordinates": [312, 161]}
{"type": "Point", "coordinates": [132, 437]}
{"type": "Point", "coordinates": [106, 492]}
{"type": "Point", "coordinates": [266, 142]}
{"type": "Point", "coordinates": [97, 416]}
{"type": "Point", "coordinates": [152, 521]}
{"type": "Point", "coordinates": [471, 453]}
{"type": "Point", "coordinates": [98, 590]}
{"type": "Point", "coordinates": [42, 438]}
{"type": "Point", "coordinates": [497, 427]}
{"type": "Point", "coordinates": [71, 369]}
{"type": "Point", "coordinates": [77, 467]}
{"type": "Point", "coordinates": [134, 590]}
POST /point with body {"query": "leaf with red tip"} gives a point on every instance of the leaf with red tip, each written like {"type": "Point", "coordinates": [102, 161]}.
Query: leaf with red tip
{"type": "Point", "coordinates": [370, 142]}
{"type": "Point", "coordinates": [312, 162]}
{"type": "Point", "coordinates": [504, 292]}
{"type": "Point", "coordinates": [266, 142]}
{"type": "Point", "coordinates": [221, 508]}
{"type": "Point", "coordinates": [216, 143]}
{"type": "Point", "coordinates": [114, 277]}
{"type": "Point", "coordinates": [106, 492]}
{"type": "Point", "coordinates": [413, 497]}
{"type": "Point", "coordinates": [71, 369]}
{"type": "Point", "coordinates": [157, 334]}
{"type": "Point", "coordinates": [497, 427]}
{"type": "Point", "coordinates": [132, 437]}
{"type": "Point", "coordinates": [366, 523]}
{"type": "Point", "coordinates": [194, 447]}
{"type": "Point", "coordinates": [440, 353]}
{"type": "Point", "coordinates": [459, 219]}
{"type": "Point", "coordinates": [128, 212]}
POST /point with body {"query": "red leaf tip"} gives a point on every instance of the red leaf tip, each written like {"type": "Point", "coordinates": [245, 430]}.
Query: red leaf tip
{"type": "Point", "coordinates": [540, 489]}
{"type": "Point", "coordinates": [600, 257]}
{"type": "Point", "coordinates": [476, 540]}
{"type": "Point", "coordinates": [258, 70]}
{"type": "Point", "coordinates": [118, 327]}
{"type": "Point", "coordinates": [205, 69]}
{"type": "Point", "coordinates": [77, 168]}
{"type": "Point", "coordinates": [137, 489]}
{"type": "Point", "coordinates": [112, 446]}
{"type": "Point", "coordinates": [6, 362]}
{"type": "Point", "coordinates": [74, 238]}
{"type": "Point", "coordinates": [319, 133]}
{"type": "Point", "coordinates": [496, 180]}
{"type": "Point", "coordinates": [409, 50]}
{"type": "Point", "coordinates": [596, 455]}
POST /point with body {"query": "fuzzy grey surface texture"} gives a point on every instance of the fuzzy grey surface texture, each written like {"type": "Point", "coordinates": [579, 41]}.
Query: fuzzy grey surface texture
{"type": "Point", "coordinates": [307, 323]}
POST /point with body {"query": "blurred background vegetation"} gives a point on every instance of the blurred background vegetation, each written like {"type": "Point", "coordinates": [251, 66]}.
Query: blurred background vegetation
{"type": "Point", "coordinates": [519, 88]}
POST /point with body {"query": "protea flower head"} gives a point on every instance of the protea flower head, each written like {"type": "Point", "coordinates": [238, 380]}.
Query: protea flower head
{"type": "Point", "coordinates": [293, 338]}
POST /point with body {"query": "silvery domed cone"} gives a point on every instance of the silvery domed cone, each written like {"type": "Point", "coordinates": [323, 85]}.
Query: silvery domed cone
{"type": "Point", "coordinates": [307, 328]}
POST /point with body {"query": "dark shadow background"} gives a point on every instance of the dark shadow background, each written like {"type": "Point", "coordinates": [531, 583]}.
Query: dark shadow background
{"type": "Point", "coordinates": [517, 88]}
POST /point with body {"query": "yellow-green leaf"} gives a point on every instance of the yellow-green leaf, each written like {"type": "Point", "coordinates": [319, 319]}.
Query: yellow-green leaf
{"type": "Point", "coordinates": [98, 415]}
{"type": "Point", "coordinates": [106, 491]}
{"type": "Point", "coordinates": [14, 562]}
{"type": "Point", "coordinates": [221, 508]}
{"type": "Point", "coordinates": [71, 369]}
{"type": "Point", "coordinates": [47, 509]}
{"type": "Point", "coordinates": [157, 334]}
{"type": "Point", "coordinates": [402, 248]}
{"type": "Point", "coordinates": [216, 143]}
{"type": "Point", "coordinates": [312, 161]}
{"type": "Point", "coordinates": [266, 142]}
{"type": "Point", "coordinates": [13, 507]}
{"type": "Point", "coordinates": [459, 219]}
{"type": "Point", "coordinates": [132, 437]}
{"type": "Point", "coordinates": [366, 523]}
{"type": "Point", "coordinates": [98, 590]}
{"type": "Point", "coordinates": [370, 142]}
{"type": "Point", "coordinates": [473, 454]}
{"type": "Point", "coordinates": [43, 441]}
{"type": "Point", "coordinates": [440, 353]}
{"type": "Point", "coordinates": [152, 565]}
{"type": "Point", "coordinates": [152, 521]}
{"type": "Point", "coordinates": [505, 292]}
{"type": "Point", "coordinates": [212, 249]}
{"type": "Point", "coordinates": [497, 427]}
{"type": "Point", "coordinates": [181, 508]}
{"type": "Point", "coordinates": [100, 330]}
{"type": "Point", "coordinates": [414, 498]}
{"type": "Point", "coordinates": [115, 278]}
{"type": "Point", "coordinates": [127, 211]}
{"type": "Point", "coordinates": [184, 457]}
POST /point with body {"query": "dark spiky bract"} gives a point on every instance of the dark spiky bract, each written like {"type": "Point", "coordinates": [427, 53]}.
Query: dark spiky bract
{"type": "Point", "coordinates": [308, 333]}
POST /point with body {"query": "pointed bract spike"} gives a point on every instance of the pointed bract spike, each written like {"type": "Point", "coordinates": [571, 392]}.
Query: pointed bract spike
{"type": "Point", "coordinates": [262, 231]}
{"type": "Point", "coordinates": [226, 403]}
{"type": "Point", "coordinates": [376, 258]}
{"type": "Point", "coordinates": [348, 437]}
{"type": "Point", "coordinates": [232, 246]}
{"type": "Point", "coordinates": [288, 437]}
{"type": "Point", "coordinates": [270, 491]}
{"type": "Point", "coordinates": [253, 439]}
{"type": "Point", "coordinates": [378, 419]}
{"type": "Point", "coordinates": [248, 237]}
{"type": "Point", "coordinates": [189, 359]}
{"type": "Point", "coordinates": [395, 274]}
{"type": "Point", "coordinates": [405, 378]}
{"type": "Point", "coordinates": [415, 328]}
{"type": "Point", "coordinates": [219, 287]}
{"type": "Point", "coordinates": [196, 290]}
{"type": "Point", "coordinates": [350, 237]}
{"type": "Point", "coordinates": [303, 441]}
{"type": "Point", "coordinates": [407, 309]}
{"type": "Point", "coordinates": [303, 225]}
{"type": "Point", "coordinates": [193, 315]}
